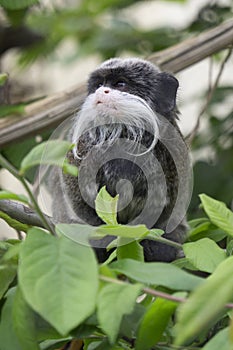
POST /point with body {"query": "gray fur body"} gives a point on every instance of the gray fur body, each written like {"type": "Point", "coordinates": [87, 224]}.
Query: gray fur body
{"type": "Point", "coordinates": [122, 137]}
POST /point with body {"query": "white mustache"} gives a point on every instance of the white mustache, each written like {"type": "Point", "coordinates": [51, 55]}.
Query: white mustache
{"type": "Point", "coordinates": [112, 113]}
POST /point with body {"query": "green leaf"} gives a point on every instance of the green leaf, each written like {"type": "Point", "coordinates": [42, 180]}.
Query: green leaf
{"type": "Point", "coordinates": [44, 330]}
{"type": "Point", "coordinates": [59, 280]}
{"type": "Point", "coordinates": [184, 263]}
{"type": "Point", "coordinates": [221, 340]}
{"type": "Point", "coordinates": [11, 195]}
{"type": "Point", "coordinates": [24, 323]}
{"type": "Point", "coordinates": [77, 232]}
{"type": "Point", "coordinates": [218, 213]}
{"type": "Point", "coordinates": [204, 254]}
{"type": "Point", "coordinates": [131, 322]}
{"type": "Point", "coordinates": [198, 226]}
{"type": "Point", "coordinates": [133, 232]}
{"type": "Point", "coordinates": [162, 274]}
{"type": "Point", "coordinates": [48, 152]}
{"type": "Point", "coordinates": [17, 4]}
{"type": "Point", "coordinates": [154, 323]}
{"type": "Point", "coordinates": [17, 225]}
{"type": "Point", "coordinates": [131, 250]}
{"type": "Point", "coordinates": [7, 275]}
{"type": "Point", "coordinates": [70, 169]}
{"type": "Point", "coordinates": [6, 110]}
{"type": "Point", "coordinates": [206, 303]}
{"type": "Point", "coordinates": [114, 301]}
{"type": "Point", "coordinates": [3, 78]}
{"type": "Point", "coordinates": [106, 206]}
{"type": "Point", "coordinates": [8, 336]}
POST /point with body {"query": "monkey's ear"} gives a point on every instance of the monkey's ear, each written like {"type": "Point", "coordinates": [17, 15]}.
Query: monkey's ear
{"type": "Point", "coordinates": [166, 86]}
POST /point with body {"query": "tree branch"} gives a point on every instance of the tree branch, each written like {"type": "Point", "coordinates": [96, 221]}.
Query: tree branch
{"type": "Point", "coordinates": [22, 213]}
{"type": "Point", "coordinates": [211, 91]}
{"type": "Point", "coordinates": [51, 111]}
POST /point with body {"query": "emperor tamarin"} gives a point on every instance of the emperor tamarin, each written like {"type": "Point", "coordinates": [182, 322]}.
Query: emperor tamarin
{"type": "Point", "coordinates": [127, 139]}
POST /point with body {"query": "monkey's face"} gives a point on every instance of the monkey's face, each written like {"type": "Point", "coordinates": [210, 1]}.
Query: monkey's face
{"type": "Point", "coordinates": [125, 98]}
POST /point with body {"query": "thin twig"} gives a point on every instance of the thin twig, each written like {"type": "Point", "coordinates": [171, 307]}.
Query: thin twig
{"type": "Point", "coordinates": [146, 290]}
{"type": "Point", "coordinates": [153, 292]}
{"type": "Point", "coordinates": [210, 94]}
{"type": "Point", "coordinates": [7, 165]}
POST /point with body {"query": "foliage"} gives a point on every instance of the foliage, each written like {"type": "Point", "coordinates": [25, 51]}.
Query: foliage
{"type": "Point", "coordinates": [99, 27]}
{"type": "Point", "coordinates": [52, 288]}
{"type": "Point", "coordinates": [216, 138]}
{"type": "Point", "coordinates": [54, 291]}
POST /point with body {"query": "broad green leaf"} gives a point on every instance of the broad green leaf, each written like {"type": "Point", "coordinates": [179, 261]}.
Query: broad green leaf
{"type": "Point", "coordinates": [221, 341]}
{"type": "Point", "coordinates": [218, 213]}
{"type": "Point", "coordinates": [7, 275]}
{"type": "Point", "coordinates": [77, 232]}
{"type": "Point", "coordinates": [202, 226]}
{"type": "Point", "coordinates": [44, 330]}
{"type": "Point", "coordinates": [131, 322]}
{"type": "Point", "coordinates": [11, 195]}
{"type": "Point", "coordinates": [24, 323]}
{"type": "Point", "coordinates": [156, 232]}
{"type": "Point", "coordinates": [111, 257]}
{"type": "Point", "coordinates": [204, 254]}
{"type": "Point", "coordinates": [154, 323]}
{"type": "Point", "coordinates": [48, 152]}
{"type": "Point", "coordinates": [114, 301]}
{"type": "Point", "coordinates": [229, 247]}
{"type": "Point", "coordinates": [12, 254]}
{"type": "Point", "coordinates": [162, 274]}
{"type": "Point", "coordinates": [206, 303]}
{"type": "Point", "coordinates": [54, 344]}
{"type": "Point", "coordinates": [70, 169]}
{"type": "Point", "coordinates": [8, 337]}
{"type": "Point", "coordinates": [133, 232]}
{"type": "Point", "coordinates": [6, 110]}
{"type": "Point", "coordinates": [196, 222]}
{"type": "Point", "coordinates": [17, 225]}
{"type": "Point", "coordinates": [184, 263]}
{"type": "Point", "coordinates": [9, 250]}
{"type": "Point", "coordinates": [17, 4]}
{"type": "Point", "coordinates": [130, 250]}
{"type": "Point", "coordinates": [58, 278]}
{"type": "Point", "coordinates": [106, 206]}
{"type": "Point", "coordinates": [3, 76]}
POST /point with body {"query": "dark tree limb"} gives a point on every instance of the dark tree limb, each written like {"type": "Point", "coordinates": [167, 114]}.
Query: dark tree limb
{"type": "Point", "coordinates": [23, 214]}
{"type": "Point", "coordinates": [51, 111]}
{"type": "Point", "coordinates": [17, 36]}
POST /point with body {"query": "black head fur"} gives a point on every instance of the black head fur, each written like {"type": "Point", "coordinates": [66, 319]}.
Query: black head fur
{"type": "Point", "coordinates": [140, 78]}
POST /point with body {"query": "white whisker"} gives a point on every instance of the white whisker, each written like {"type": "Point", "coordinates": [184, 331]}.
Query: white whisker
{"type": "Point", "coordinates": [104, 123]}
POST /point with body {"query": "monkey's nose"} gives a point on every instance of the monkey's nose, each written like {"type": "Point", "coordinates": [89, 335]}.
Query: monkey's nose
{"type": "Point", "coordinates": [106, 90]}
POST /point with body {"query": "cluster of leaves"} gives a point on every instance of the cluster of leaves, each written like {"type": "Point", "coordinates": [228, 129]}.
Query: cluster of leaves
{"type": "Point", "coordinates": [53, 290]}
{"type": "Point", "coordinates": [100, 27]}
{"type": "Point", "coordinates": [216, 141]}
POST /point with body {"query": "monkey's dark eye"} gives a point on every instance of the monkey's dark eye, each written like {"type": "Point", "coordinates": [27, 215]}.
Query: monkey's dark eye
{"type": "Point", "coordinates": [120, 84]}
{"type": "Point", "coordinates": [98, 85]}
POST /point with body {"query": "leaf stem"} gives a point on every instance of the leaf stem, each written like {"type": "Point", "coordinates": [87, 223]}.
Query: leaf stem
{"type": "Point", "coordinates": [7, 165]}
{"type": "Point", "coordinates": [165, 241]}
{"type": "Point", "coordinates": [153, 292]}
{"type": "Point", "coordinates": [146, 290]}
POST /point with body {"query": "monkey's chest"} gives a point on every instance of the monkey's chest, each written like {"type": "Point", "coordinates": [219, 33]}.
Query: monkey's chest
{"type": "Point", "coordinates": [138, 180]}
{"type": "Point", "coordinates": [128, 180]}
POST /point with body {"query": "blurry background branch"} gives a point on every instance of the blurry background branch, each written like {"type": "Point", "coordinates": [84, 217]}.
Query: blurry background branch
{"type": "Point", "coordinates": [51, 111]}
{"type": "Point", "coordinates": [22, 213]}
